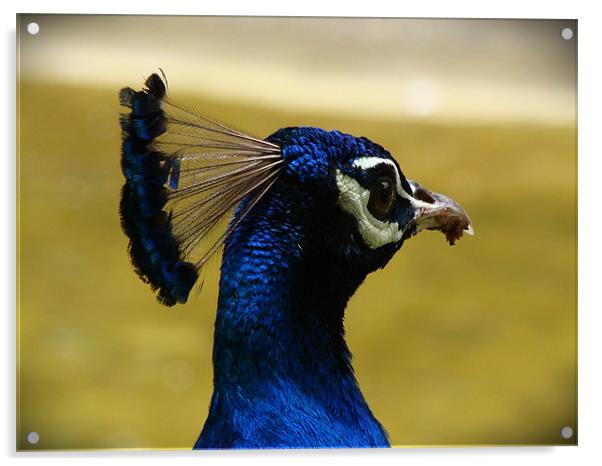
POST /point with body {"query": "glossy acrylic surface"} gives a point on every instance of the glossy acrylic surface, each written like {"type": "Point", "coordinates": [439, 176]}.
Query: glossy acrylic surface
{"type": "Point", "coordinates": [474, 344]}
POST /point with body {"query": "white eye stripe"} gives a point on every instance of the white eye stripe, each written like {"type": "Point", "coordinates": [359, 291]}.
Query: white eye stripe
{"type": "Point", "coordinates": [370, 162]}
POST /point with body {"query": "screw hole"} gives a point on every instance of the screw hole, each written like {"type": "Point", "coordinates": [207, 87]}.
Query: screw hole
{"type": "Point", "coordinates": [566, 432]}
{"type": "Point", "coordinates": [33, 438]}
{"type": "Point", "coordinates": [33, 28]}
{"type": "Point", "coordinates": [566, 33]}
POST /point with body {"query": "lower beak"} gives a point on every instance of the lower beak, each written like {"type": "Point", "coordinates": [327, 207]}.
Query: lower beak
{"type": "Point", "coordinates": [435, 211]}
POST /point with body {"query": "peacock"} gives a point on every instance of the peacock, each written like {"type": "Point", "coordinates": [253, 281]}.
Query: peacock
{"type": "Point", "coordinates": [303, 216]}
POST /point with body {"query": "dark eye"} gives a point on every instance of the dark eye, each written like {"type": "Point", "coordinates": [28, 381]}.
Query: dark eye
{"type": "Point", "coordinates": [382, 194]}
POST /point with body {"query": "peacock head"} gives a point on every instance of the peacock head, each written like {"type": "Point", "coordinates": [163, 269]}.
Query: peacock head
{"type": "Point", "coordinates": [369, 207]}
{"type": "Point", "coordinates": [185, 173]}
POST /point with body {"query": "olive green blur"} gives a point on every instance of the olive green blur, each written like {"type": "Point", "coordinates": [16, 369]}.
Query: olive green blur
{"type": "Point", "coordinates": [470, 344]}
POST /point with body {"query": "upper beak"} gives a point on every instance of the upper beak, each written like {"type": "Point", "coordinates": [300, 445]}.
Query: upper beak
{"type": "Point", "coordinates": [435, 211]}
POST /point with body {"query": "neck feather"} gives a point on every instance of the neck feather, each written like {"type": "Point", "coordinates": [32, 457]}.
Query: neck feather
{"type": "Point", "coordinates": [279, 349]}
{"type": "Point", "coordinates": [281, 309]}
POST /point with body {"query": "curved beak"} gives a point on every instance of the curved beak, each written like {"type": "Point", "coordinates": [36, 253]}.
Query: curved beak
{"type": "Point", "coordinates": [434, 211]}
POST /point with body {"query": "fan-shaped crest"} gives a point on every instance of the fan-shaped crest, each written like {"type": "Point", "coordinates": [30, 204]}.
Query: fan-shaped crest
{"type": "Point", "coordinates": [185, 172]}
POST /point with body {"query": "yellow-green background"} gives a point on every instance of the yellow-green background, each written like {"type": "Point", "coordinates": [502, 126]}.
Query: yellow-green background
{"type": "Point", "coordinates": [474, 344]}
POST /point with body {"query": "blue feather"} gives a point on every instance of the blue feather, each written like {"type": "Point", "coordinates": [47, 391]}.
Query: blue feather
{"type": "Point", "coordinates": [153, 249]}
{"type": "Point", "coordinates": [282, 371]}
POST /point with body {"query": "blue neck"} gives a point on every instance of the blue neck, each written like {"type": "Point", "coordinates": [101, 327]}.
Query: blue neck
{"type": "Point", "coordinates": [282, 370]}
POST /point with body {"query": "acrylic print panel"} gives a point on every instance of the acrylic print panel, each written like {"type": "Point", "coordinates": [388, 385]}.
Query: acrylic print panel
{"type": "Point", "coordinates": [473, 344]}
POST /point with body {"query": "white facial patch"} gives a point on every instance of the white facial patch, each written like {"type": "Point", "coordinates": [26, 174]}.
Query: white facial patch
{"type": "Point", "coordinates": [353, 199]}
{"type": "Point", "coordinates": [428, 213]}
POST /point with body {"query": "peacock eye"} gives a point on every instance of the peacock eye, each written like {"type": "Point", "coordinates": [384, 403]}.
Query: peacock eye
{"type": "Point", "coordinates": [382, 194]}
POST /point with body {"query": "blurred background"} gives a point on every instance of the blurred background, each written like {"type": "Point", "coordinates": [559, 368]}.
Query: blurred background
{"type": "Point", "coordinates": [474, 344]}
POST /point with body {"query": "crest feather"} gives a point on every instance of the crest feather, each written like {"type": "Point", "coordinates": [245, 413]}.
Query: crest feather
{"type": "Point", "coordinates": [185, 172]}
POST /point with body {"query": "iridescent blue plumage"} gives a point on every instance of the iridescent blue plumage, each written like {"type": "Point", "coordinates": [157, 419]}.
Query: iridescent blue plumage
{"type": "Point", "coordinates": [314, 212]}
{"type": "Point", "coordinates": [283, 376]}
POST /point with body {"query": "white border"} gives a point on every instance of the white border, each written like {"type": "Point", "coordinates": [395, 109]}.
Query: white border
{"type": "Point", "coordinates": [590, 151]}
